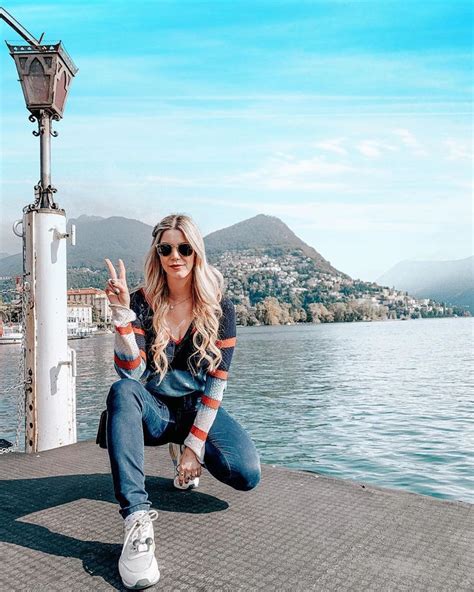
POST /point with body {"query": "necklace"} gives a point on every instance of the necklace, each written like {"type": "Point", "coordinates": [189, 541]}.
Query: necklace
{"type": "Point", "coordinates": [172, 306]}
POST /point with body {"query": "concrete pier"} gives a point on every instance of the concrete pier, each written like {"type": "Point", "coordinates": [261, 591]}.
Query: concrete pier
{"type": "Point", "coordinates": [297, 531]}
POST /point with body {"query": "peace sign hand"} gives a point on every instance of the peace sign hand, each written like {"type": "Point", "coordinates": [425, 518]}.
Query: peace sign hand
{"type": "Point", "coordinates": [116, 289]}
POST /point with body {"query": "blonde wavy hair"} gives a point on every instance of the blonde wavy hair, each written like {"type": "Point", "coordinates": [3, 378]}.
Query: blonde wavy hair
{"type": "Point", "coordinates": [207, 289]}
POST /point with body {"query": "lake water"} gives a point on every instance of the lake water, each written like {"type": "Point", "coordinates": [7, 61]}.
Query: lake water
{"type": "Point", "coordinates": [388, 403]}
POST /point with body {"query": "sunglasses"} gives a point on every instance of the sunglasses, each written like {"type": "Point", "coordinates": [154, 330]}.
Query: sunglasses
{"type": "Point", "coordinates": [165, 249]}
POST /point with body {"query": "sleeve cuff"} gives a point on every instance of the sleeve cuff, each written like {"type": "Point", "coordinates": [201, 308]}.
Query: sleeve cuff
{"type": "Point", "coordinates": [197, 446]}
{"type": "Point", "coordinates": [121, 315]}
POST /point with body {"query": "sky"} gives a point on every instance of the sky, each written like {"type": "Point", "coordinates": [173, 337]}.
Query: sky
{"type": "Point", "coordinates": [351, 121]}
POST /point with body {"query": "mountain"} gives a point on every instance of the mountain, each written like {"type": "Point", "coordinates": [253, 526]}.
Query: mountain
{"type": "Point", "coordinates": [263, 233]}
{"type": "Point", "coordinates": [86, 218]}
{"type": "Point", "coordinates": [97, 238]}
{"type": "Point", "coordinates": [451, 282]}
{"type": "Point", "coordinates": [11, 265]}
{"type": "Point", "coordinates": [117, 237]}
{"type": "Point", "coordinates": [267, 269]}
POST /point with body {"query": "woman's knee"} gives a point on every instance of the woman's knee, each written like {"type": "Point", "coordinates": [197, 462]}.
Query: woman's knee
{"type": "Point", "coordinates": [247, 477]}
{"type": "Point", "coordinates": [123, 393]}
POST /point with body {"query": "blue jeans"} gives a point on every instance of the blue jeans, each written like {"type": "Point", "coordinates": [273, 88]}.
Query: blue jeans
{"type": "Point", "coordinates": [137, 416]}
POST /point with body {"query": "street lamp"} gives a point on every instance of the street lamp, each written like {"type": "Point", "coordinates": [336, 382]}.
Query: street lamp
{"type": "Point", "coordinates": [45, 75]}
{"type": "Point", "coordinates": [45, 72]}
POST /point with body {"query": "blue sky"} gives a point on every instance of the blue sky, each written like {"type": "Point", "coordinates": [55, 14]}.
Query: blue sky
{"type": "Point", "coordinates": [350, 121]}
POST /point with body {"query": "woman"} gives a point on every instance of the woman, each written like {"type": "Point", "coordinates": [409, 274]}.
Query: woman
{"type": "Point", "coordinates": [174, 341]}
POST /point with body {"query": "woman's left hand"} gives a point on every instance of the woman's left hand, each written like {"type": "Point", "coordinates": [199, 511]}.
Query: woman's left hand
{"type": "Point", "coordinates": [189, 466]}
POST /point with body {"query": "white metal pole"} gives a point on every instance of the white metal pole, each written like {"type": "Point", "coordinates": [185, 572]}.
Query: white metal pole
{"type": "Point", "coordinates": [51, 405]}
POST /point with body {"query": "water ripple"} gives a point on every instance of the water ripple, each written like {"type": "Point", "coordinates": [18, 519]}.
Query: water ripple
{"type": "Point", "coordinates": [387, 403]}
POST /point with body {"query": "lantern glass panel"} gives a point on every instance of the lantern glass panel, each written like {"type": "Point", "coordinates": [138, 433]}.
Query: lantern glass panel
{"type": "Point", "coordinates": [61, 91]}
{"type": "Point", "coordinates": [37, 83]}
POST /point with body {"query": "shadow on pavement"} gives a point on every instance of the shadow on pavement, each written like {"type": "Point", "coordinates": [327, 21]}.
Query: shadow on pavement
{"type": "Point", "coordinates": [25, 501]}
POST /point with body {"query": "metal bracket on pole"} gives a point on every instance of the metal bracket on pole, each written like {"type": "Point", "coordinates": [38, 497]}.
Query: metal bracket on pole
{"type": "Point", "coordinates": [71, 235]}
{"type": "Point", "coordinates": [71, 362]}
{"type": "Point", "coordinates": [16, 232]}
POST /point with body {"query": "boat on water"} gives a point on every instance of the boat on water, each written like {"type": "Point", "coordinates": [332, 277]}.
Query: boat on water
{"type": "Point", "coordinates": [79, 330]}
{"type": "Point", "coordinates": [10, 334]}
{"type": "Point", "coordinates": [79, 333]}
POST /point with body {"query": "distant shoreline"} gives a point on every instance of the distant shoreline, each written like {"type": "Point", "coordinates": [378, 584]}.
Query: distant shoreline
{"type": "Point", "coordinates": [356, 321]}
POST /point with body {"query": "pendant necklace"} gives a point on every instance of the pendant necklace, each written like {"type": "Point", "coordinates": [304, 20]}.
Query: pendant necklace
{"type": "Point", "coordinates": [172, 306]}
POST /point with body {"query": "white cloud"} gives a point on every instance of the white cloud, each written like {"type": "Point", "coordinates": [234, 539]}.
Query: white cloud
{"type": "Point", "coordinates": [374, 148]}
{"type": "Point", "coordinates": [458, 150]}
{"type": "Point", "coordinates": [290, 173]}
{"type": "Point", "coordinates": [334, 145]}
{"type": "Point", "coordinates": [311, 166]}
{"type": "Point", "coordinates": [419, 218]}
{"type": "Point", "coordinates": [409, 140]}
{"type": "Point", "coordinates": [168, 181]}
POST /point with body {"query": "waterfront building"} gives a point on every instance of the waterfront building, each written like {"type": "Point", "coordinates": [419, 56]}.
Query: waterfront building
{"type": "Point", "coordinates": [96, 298]}
{"type": "Point", "coordinates": [79, 319]}
{"type": "Point", "coordinates": [78, 312]}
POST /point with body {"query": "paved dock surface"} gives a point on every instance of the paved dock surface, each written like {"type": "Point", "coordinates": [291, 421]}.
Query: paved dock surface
{"type": "Point", "coordinates": [297, 531]}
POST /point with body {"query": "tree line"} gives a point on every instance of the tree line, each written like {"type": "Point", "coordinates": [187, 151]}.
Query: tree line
{"type": "Point", "coordinates": [270, 311]}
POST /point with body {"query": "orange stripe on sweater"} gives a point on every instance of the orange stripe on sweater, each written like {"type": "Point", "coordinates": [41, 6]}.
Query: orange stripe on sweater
{"type": "Point", "coordinates": [212, 403]}
{"type": "Point", "coordinates": [219, 374]}
{"type": "Point", "coordinates": [124, 330]}
{"type": "Point", "coordinates": [199, 433]}
{"type": "Point", "coordinates": [143, 354]}
{"type": "Point", "coordinates": [126, 364]}
{"type": "Point", "coordinates": [138, 331]}
{"type": "Point", "coordinates": [226, 342]}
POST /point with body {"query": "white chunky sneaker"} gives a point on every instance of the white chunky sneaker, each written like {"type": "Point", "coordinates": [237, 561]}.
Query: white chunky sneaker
{"type": "Point", "coordinates": [175, 453]}
{"type": "Point", "coordinates": [137, 564]}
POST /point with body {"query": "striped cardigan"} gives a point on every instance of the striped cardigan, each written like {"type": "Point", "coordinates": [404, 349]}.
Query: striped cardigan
{"type": "Point", "coordinates": [134, 337]}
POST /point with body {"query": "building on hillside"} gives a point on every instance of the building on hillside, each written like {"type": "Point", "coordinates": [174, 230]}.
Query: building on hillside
{"type": "Point", "coordinates": [96, 298]}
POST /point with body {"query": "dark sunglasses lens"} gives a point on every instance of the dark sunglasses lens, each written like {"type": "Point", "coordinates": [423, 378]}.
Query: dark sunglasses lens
{"type": "Point", "coordinates": [163, 249]}
{"type": "Point", "coordinates": [185, 249]}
